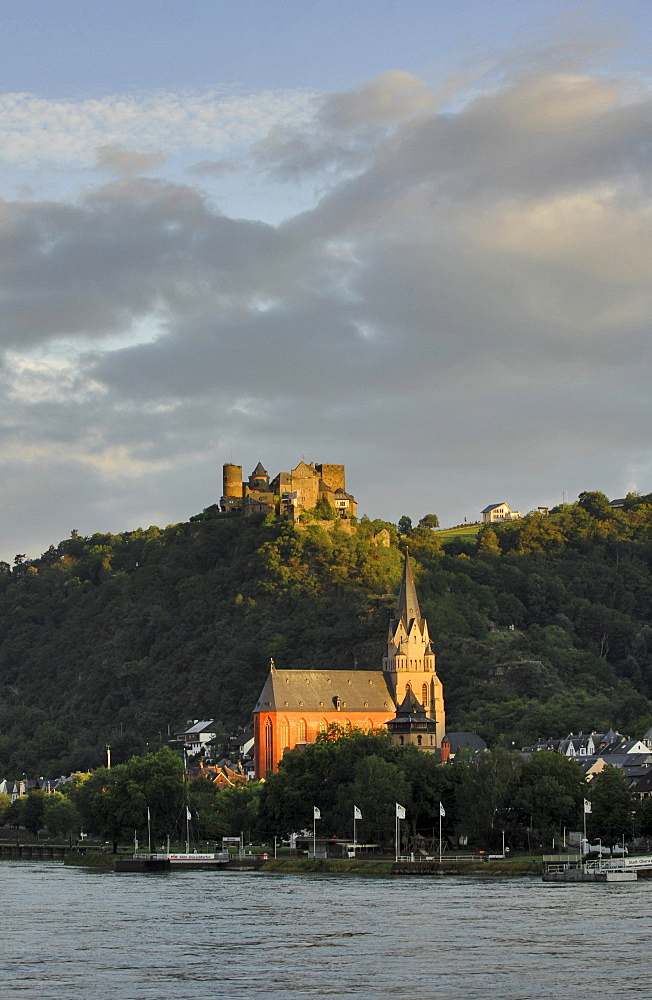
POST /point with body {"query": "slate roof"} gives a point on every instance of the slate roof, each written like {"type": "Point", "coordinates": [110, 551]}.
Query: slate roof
{"type": "Point", "coordinates": [492, 506]}
{"type": "Point", "coordinates": [464, 741]}
{"type": "Point", "coordinates": [407, 607]}
{"type": "Point", "coordinates": [196, 728]}
{"type": "Point", "coordinates": [411, 714]}
{"type": "Point", "coordinates": [260, 470]}
{"type": "Point", "coordinates": [318, 691]}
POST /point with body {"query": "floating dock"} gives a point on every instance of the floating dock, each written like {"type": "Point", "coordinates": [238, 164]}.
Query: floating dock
{"type": "Point", "coordinates": [604, 870]}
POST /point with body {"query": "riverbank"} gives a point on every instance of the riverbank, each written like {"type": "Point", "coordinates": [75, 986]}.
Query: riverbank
{"type": "Point", "coordinates": [359, 866]}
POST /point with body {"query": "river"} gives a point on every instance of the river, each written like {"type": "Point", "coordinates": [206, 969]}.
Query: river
{"type": "Point", "coordinates": [73, 934]}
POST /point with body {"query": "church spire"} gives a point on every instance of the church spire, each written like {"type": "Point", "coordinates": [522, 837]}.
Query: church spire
{"type": "Point", "coordinates": [408, 604]}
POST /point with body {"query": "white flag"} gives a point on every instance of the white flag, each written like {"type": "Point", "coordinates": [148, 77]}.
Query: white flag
{"type": "Point", "coordinates": [442, 811]}
{"type": "Point", "coordinates": [400, 811]}
{"type": "Point", "coordinates": [587, 806]}
{"type": "Point", "coordinates": [356, 813]}
{"type": "Point", "coordinates": [316, 814]}
{"type": "Point", "coordinates": [188, 814]}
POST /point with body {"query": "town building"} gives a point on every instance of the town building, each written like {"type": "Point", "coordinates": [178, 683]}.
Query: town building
{"type": "Point", "coordinates": [499, 512]}
{"type": "Point", "coordinates": [288, 493]}
{"type": "Point", "coordinates": [195, 735]}
{"type": "Point", "coordinates": [296, 705]}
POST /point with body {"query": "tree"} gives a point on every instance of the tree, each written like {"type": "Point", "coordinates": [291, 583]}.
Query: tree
{"type": "Point", "coordinates": [5, 803]}
{"type": "Point", "coordinates": [376, 788]}
{"type": "Point", "coordinates": [32, 811]}
{"type": "Point", "coordinates": [485, 794]}
{"type": "Point", "coordinates": [405, 525]}
{"type": "Point", "coordinates": [612, 807]}
{"type": "Point", "coordinates": [60, 815]}
{"type": "Point", "coordinates": [114, 803]}
{"type": "Point", "coordinates": [551, 793]}
{"type": "Point", "coordinates": [644, 816]}
{"type": "Point", "coordinates": [429, 521]}
{"type": "Point", "coordinates": [595, 503]}
{"type": "Point", "coordinates": [488, 543]}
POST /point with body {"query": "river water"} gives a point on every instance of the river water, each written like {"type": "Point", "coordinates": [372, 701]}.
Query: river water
{"type": "Point", "coordinates": [72, 934]}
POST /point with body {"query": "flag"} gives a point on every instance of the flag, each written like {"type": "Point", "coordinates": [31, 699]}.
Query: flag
{"type": "Point", "coordinates": [400, 811]}
{"type": "Point", "coordinates": [587, 806]}
{"type": "Point", "coordinates": [316, 814]}
{"type": "Point", "coordinates": [188, 814]}
{"type": "Point", "coordinates": [442, 811]}
{"type": "Point", "coordinates": [356, 813]}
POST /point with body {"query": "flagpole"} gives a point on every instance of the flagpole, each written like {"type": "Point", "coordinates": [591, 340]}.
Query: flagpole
{"type": "Point", "coordinates": [354, 838]}
{"type": "Point", "coordinates": [149, 832]}
{"type": "Point", "coordinates": [440, 833]}
{"type": "Point", "coordinates": [584, 851]}
{"type": "Point", "coordinates": [314, 833]}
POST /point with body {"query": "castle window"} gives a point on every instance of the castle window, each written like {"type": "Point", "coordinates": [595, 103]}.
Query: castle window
{"type": "Point", "coordinates": [400, 739]}
{"type": "Point", "coordinates": [419, 740]}
{"type": "Point", "coordinates": [301, 731]}
{"type": "Point", "coordinates": [424, 695]}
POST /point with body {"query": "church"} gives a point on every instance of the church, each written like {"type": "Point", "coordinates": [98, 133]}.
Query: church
{"type": "Point", "coordinates": [406, 695]}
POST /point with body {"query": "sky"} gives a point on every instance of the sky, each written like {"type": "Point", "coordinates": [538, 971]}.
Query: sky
{"type": "Point", "coordinates": [411, 238]}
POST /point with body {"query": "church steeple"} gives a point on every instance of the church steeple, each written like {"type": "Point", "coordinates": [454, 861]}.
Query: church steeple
{"type": "Point", "coordinates": [408, 603]}
{"type": "Point", "coordinates": [409, 663]}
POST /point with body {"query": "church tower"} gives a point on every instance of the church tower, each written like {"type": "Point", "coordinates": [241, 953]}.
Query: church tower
{"type": "Point", "coordinates": [409, 664]}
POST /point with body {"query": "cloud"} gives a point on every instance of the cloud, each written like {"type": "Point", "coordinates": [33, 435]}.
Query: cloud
{"type": "Point", "coordinates": [213, 168]}
{"type": "Point", "coordinates": [463, 312]}
{"type": "Point", "coordinates": [125, 163]}
{"type": "Point", "coordinates": [36, 130]}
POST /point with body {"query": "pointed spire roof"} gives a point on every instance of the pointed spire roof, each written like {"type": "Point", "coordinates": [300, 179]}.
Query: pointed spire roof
{"type": "Point", "coordinates": [408, 604]}
{"type": "Point", "coordinates": [260, 470]}
{"type": "Point", "coordinates": [410, 705]}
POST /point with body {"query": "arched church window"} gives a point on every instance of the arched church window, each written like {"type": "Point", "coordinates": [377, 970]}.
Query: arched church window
{"type": "Point", "coordinates": [285, 734]}
{"type": "Point", "coordinates": [424, 695]}
{"type": "Point", "coordinates": [269, 759]}
{"type": "Point", "coordinates": [369, 726]}
{"type": "Point", "coordinates": [301, 731]}
{"type": "Point", "coordinates": [323, 726]}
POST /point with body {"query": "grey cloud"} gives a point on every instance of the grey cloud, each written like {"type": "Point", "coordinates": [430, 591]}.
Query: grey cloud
{"type": "Point", "coordinates": [460, 306]}
{"type": "Point", "coordinates": [125, 162]}
{"type": "Point", "coordinates": [213, 168]}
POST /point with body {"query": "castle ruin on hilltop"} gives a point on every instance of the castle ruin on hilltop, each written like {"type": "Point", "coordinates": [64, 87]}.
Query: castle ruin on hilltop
{"type": "Point", "coordinates": [288, 493]}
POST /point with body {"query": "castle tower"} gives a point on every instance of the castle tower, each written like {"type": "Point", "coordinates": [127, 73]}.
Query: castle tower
{"type": "Point", "coordinates": [231, 480]}
{"type": "Point", "coordinates": [409, 663]}
{"type": "Point", "coordinates": [259, 479]}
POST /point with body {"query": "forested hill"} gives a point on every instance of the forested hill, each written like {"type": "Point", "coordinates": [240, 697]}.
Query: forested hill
{"type": "Point", "coordinates": [114, 637]}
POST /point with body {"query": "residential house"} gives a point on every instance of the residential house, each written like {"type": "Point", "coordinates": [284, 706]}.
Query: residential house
{"type": "Point", "coordinates": [499, 512]}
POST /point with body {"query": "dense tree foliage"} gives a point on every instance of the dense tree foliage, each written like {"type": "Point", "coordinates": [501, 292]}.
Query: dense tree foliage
{"type": "Point", "coordinates": [540, 625]}
{"type": "Point", "coordinates": [612, 807]}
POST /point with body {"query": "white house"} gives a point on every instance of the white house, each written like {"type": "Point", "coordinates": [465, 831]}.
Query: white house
{"type": "Point", "coordinates": [196, 735]}
{"type": "Point", "coordinates": [499, 512]}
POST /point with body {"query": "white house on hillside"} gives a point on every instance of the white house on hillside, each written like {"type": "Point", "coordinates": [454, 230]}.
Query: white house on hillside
{"type": "Point", "coordinates": [499, 512]}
